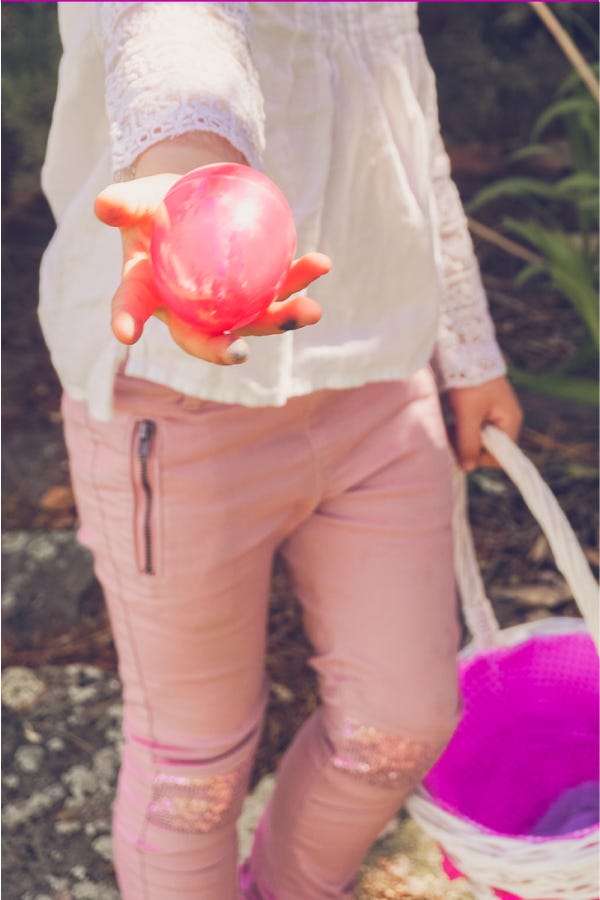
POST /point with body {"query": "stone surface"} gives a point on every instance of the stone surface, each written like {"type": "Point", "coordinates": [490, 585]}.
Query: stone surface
{"type": "Point", "coordinates": [21, 688]}
{"type": "Point", "coordinates": [58, 786]}
{"type": "Point", "coordinates": [45, 575]}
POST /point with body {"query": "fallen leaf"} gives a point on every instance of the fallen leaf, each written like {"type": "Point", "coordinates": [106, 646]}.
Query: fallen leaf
{"type": "Point", "coordinates": [546, 595]}
{"type": "Point", "coordinates": [57, 499]}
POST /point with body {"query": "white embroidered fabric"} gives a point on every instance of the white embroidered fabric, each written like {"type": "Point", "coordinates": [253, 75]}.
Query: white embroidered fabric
{"type": "Point", "coordinates": [337, 102]}
{"type": "Point", "coordinates": [466, 351]}
{"type": "Point", "coordinates": [176, 68]}
{"type": "Point", "coordinates": [211, 84]}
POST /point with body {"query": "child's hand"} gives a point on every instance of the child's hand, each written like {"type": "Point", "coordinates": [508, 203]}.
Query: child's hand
{"type": "Point", "coordinates": [493, 402]}
{"type": "Point", "coordinates": [130, 206]}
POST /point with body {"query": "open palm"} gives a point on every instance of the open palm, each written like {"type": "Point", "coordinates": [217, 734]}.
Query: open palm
{"type": "Point", "coordinates": [130, 206]}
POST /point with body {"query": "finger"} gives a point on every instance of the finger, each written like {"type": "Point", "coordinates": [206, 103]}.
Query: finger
{"type": "Point", "coordinates": [304, 271]}
{"type": "Point", "coordinates": [484, 458]}
{"type": "Point", "coordinates": [134, 301]}
{"type": "Point", "coordinates": [125, 203]}
{"type": "Point", "coordinates": [508, 420]}
{"type": "Point", "coordinates": [488, 461]}
{"type": "Point", "coordinates": [285, 315]}
{"type": "Point", "coordinates": [506, 412]}
{"type": "Point", "coordinates": [221, 349]}
{"type": "Point", "coordinates": [468, 443]}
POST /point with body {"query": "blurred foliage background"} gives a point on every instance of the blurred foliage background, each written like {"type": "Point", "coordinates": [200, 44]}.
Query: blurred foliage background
{"type": "Point", "coordinates": [30, 57]}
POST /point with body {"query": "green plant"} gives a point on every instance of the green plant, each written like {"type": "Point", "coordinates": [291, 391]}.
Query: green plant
{"type": "Point", "coordinates": [30, 55]}
{"type": "Point", "coordinates": [562, 225]}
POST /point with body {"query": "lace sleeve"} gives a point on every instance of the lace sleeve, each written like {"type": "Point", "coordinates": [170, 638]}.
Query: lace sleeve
{"type": "Point", "coordinates": [172, 68]}
{"type": "Point", "coordinates": [466, 351]}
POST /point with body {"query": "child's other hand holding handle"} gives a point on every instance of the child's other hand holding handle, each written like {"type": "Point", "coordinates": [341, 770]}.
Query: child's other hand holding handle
{"type": "Point", "coordinates": [495, 403]}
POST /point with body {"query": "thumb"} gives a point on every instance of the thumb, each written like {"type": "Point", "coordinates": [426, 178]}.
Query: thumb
{"type": "Point", "coordinates": [467, 440]}
{"type": "Point", "coordinates": [126, 203]}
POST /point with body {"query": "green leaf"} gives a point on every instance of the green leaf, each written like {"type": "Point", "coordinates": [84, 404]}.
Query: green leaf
{"type": "Point", "coordinates": [580, 359]}
{"type": "Point", "coordinates": [567, 266]}
{"type": "Point", "coordinates": [561, 108]}
{"type": "Point", "coordinates": [580, 182]}
{"type": "Point", "coordinates": [580, 390]}
{"type": "Point", "coordinates": [589, 204]}
{"type": "Point", "coordinates": [532, 150]}
{"type": "Point", "coordinates": [519, 186]}
{"type": "Point", "coordinates": [528, 272]}
{"type": "Point", "coordinates": [573, 82]}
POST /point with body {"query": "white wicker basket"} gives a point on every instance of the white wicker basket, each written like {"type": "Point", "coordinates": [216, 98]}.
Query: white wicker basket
{"type": "Point", "coordinates": [558, 868]}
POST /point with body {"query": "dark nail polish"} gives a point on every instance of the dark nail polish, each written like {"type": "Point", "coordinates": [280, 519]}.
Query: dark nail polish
{"type": "Point", "coordinates": [237, 352]}
{"type": "Point", "coordinates": [288, 325]}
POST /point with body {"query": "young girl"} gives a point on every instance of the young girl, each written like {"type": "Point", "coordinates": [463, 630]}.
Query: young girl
{"type": "Point", "coordinates": [195, 459]}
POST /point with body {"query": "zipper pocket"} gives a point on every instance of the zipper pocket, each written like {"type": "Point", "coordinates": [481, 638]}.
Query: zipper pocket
{"type": "Point", "coordinates": [146, 430]}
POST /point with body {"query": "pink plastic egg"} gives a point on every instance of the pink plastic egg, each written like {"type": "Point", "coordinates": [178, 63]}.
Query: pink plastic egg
{"type": "Point", "coordinates": [223, 240]}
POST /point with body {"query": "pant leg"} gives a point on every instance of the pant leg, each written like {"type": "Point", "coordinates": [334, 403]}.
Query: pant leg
{"type": "Point", "coordinates": [180, 526]}
{"type": "Point", "coordinates": [373, 569]}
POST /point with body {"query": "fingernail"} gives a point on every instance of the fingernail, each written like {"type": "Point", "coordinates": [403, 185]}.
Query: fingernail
{"type": "Point", "coordinates": [288, 325]}
{"type": "Point", "coordinates": [469, 466]}
{"type": "Point", "coordinates": [126, 327]}
{"type": "Point", "coordinates": [237, 352]}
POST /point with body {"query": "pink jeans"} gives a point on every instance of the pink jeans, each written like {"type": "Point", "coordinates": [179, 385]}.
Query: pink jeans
{"type": "Point", "coordinates": [183, 503]}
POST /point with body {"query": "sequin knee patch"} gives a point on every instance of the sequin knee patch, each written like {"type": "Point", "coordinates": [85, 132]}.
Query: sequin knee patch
{"type": "Point", "coordinates": [380, 758]}
{"type": "Point", "coordinates": [197, 805]}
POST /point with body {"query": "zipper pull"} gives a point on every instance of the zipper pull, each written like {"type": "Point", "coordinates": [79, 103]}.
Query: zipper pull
{"type": "Point", "coordinates": [146, 433]}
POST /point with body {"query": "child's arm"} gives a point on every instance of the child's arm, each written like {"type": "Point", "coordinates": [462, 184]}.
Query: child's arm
{"type": "Point", "coordinates": [467, 360]}
{"type": "Point", "coordinates": [181, 92]}
{"type": "Point", "coordinates": [174, 69]}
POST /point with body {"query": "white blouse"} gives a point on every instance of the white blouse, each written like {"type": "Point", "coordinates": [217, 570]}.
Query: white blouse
{"type": "Point", "coordinates": [336, 102]}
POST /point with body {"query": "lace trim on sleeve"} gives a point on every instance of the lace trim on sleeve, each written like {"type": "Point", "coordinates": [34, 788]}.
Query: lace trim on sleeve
{"type": "Point", "coordinates": [173, 68]}
{"type": "Point", "coordinates": [466, 352]}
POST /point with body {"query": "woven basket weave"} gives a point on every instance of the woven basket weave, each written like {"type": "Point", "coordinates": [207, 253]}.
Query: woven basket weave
{"type": "Point", "coordinates": [521, 745]}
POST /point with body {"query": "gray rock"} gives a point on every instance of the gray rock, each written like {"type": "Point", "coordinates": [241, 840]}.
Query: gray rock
{"type": "Point", "coordinates": [81, 782]}
{"type": "Point", "coordinates": [45, 574]}
{"type": "Point", "coordinates": [103, 846]}
{"type": "Point", "coordinates": [87, 890]}
{"type": "Point", "coordinates": [28, 758]}
{"type": "Point", "coordinates": [67, 827]}
{"type": "Point", "coordinates": [17, 814]}
{"type": "Point", "coordinates": [57, 883]}
{"type": "Point", "coordinates": [100, 826]}
{"type": "Point", "coordinates": [78, 696]}
{"type": "Point", "coordinates": [11, 781]}
{"type": "Point", "coordinates": [106, 765]}
{"type": "Point", "coordinates": [21, 688]}
{"type": "Point", "coordinates": [42, 547]}
{"type": "Point", "coordinates": [79, 872]}
{"type": "Point", "coordinates": [14, 542]}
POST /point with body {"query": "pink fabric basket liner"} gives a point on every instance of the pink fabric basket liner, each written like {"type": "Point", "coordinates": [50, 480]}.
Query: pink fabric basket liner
{"type": "Point", "coordinates": [527, 743]}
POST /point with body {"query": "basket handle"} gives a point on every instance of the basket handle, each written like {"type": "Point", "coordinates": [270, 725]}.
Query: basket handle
{"type": "Point", "coordinates": [568, 555]}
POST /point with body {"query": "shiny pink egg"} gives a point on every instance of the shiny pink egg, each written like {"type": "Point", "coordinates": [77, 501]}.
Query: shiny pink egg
{"type": "Point", "coordinates": [223, 241]}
